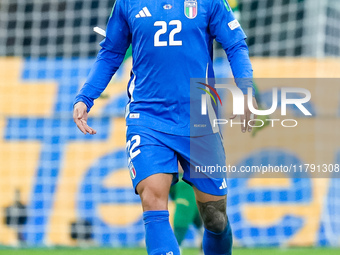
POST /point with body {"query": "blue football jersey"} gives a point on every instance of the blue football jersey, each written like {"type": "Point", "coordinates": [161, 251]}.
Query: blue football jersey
{"type": "Point", "coordinates": [172, 42]}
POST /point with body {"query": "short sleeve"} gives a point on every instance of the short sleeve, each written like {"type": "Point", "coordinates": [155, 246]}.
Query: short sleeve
{"type": "Point", "coordinates": [118, 35]}
{"type": "Point", "coordinates": [223, 25]}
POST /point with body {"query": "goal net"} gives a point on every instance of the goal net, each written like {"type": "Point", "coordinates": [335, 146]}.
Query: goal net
{"type": "Point", "coordinates": [292, 27]}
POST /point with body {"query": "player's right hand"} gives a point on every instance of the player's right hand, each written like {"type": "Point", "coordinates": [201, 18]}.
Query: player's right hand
{"type": "Point", "coordinates": [80, 118]}
{"type": "Point", "coordinates": [247, 116]}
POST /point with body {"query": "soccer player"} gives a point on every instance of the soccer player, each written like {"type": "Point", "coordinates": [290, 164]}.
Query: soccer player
{"type": "Point", "coordinates": [171, 43]}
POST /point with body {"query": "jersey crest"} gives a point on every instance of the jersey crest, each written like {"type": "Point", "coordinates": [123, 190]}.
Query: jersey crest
{"type": "Point", "coordinates": [190, 8]}
{"type": "Point", "coordinates": [132, 171]}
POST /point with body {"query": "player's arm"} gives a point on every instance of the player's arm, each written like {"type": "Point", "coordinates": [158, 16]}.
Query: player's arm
{"type": "Point", "coordinates": [238, 57]}
{"type": "Point", "coordinates": [109, 58]}
{"type": "Point", "coordinates": [226, 30]}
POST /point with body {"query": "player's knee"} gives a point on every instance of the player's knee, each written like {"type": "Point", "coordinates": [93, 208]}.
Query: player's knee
{"type": "Point", "coordinates": [217, 223]}
{"type": "Point", "coordinates": [214, 215]}
{"type": "Point", "coordinates": [154, 192]}
{"type": "Point", "coordinates": [153, 200]}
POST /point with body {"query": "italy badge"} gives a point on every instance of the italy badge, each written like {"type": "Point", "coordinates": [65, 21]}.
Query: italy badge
{"type": "Point", "coordinates": [190, 8]}
{"type": "Point", "coordinates": [132, 170]}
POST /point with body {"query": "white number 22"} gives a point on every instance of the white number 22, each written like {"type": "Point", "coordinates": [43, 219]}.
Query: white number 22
{"type": "Point", "coordinates": [133, 153]}
{"type": "Point", "coordinates": [163, 30]}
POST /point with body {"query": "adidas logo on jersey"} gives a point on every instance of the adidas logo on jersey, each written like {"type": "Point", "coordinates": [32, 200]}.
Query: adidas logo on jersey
{"type": "Point", "coordinates": [224, 184]}
{"type": "Point", "coordinates": [143, 13]}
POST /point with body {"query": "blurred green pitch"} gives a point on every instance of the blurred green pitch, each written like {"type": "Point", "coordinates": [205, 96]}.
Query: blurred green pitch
{"type": "Point", "coordinates": [236, 251]}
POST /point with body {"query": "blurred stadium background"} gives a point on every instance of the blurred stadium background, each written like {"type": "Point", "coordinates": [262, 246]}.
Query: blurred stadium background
{"type": "Point", "coordinates": [61, 188]}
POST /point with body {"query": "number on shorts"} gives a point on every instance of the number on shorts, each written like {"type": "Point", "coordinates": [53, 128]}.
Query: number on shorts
{"type": "Point", "coordinates": [131, 149]}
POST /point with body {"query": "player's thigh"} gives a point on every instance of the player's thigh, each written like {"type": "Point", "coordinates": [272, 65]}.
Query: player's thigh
{"type": "Point", "coordinates": [206, 153]}
{"type": "Point", "coordinates": [205, 197]}
{"type": "Point", "coordinates": [153, 166]}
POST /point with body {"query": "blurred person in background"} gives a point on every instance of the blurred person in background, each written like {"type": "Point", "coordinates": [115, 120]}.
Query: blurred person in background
{"type": "Point", "coordinates": [186, 213]}
{"type": "Point", "coordinates": [16, 217]}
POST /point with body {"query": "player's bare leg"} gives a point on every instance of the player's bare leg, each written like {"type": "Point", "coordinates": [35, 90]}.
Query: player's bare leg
{"type": "Point", "coordinates": [154, 193]}
{"type": "Point", "coordinates": [217, 237]}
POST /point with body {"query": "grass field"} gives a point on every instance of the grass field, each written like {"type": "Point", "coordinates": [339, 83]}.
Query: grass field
{"type": "Point", "coordinates": [237, 251]}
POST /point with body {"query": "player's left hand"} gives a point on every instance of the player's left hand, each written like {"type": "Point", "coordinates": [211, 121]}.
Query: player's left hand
{"type": "Point", "coordinates": [248, 115]}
